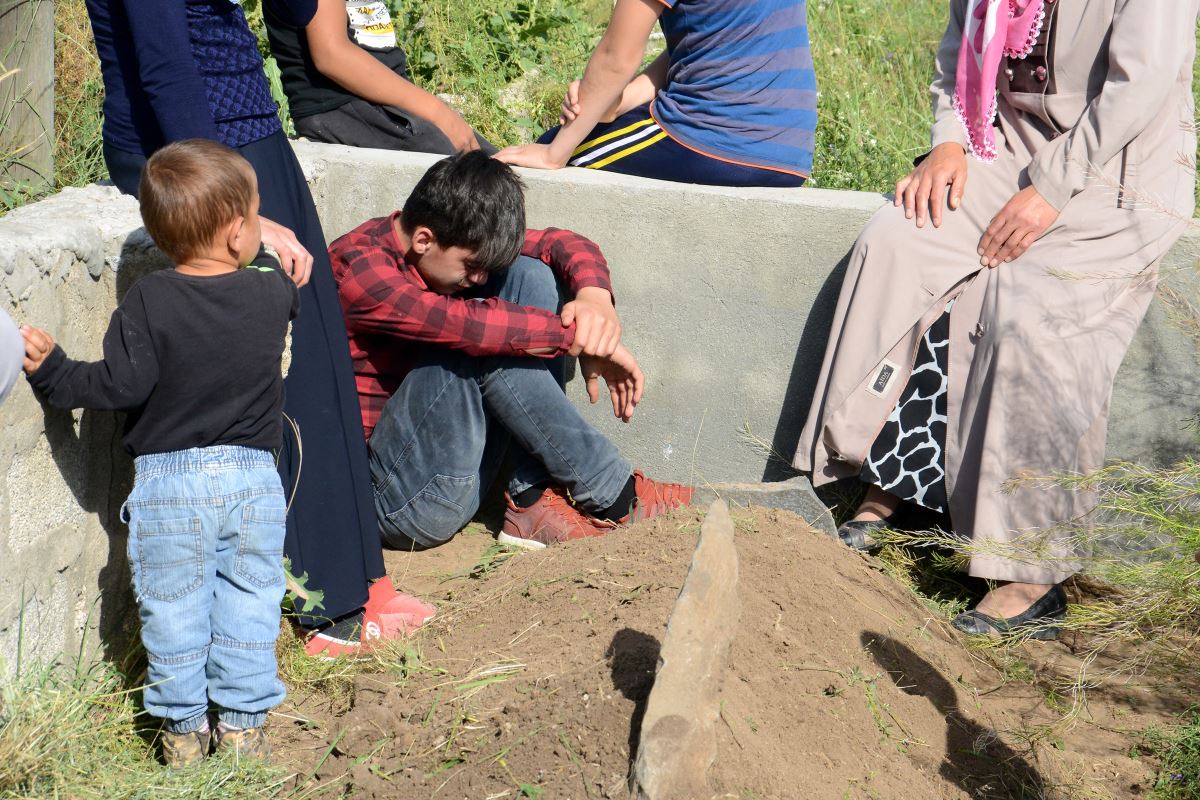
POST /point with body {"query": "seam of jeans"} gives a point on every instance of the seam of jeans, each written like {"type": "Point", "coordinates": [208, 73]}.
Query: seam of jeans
{"type": "Point", "coordinates": [184, 658]}
{"type": "Point", "coordinates": [177, 502]}
{"type": "Point", "coordinates": [226, 643]}
{"type": "Point", "coordinates": [500, 374]}
{"type": "Point", "coordinates": [189, 725]}
{"type": "Point", "coordinates": [243, 719]}
{"type": "Point", "coordinates": [427, 539]}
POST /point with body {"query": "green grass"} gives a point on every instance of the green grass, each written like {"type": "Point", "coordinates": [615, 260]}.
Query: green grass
{"type": "Point", "coordinates": [82, 734]}
{"type": "Point", "coordinates": [1177, 751]}
{"type": "Point", "coordinates": [874, 62]}
{"type": "Point", "coordinates": [77, 98]}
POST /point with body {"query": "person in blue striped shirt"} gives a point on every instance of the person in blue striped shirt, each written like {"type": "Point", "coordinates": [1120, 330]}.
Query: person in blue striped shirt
{"type": "Point", "coordinates": [731, 101]}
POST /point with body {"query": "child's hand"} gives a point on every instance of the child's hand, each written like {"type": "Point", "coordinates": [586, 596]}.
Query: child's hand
{"type": "Point", "coordinates": [38, 345]}
{"type": "Point", "coordinates": [457, 130]}
{"type": "Point", "coordinates": [623, 376]}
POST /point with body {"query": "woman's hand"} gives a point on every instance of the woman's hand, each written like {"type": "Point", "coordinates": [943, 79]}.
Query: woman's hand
{"type": "Point", "coordinates": [293, 257]}
{"type": "Point", "coordinates": [923, 191]}
{"type": "Point", "coordinates": [536, 156]}
{"type": "Point", "coordinates": [1022, 221]}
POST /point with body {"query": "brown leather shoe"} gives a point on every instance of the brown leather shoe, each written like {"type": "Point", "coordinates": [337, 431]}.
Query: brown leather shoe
{"type": "Point", "coordinates": [550, 520]}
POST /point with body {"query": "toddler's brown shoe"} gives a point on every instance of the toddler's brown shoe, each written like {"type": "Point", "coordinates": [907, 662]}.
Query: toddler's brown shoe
{"type": "Point", "coordinates": [244, 743]}
{"type": "Point", "coordinates": [185, 749]}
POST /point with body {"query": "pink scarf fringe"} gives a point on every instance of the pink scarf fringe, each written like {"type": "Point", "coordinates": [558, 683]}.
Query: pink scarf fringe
{"type": "Point", "coordinates": [994, 29]}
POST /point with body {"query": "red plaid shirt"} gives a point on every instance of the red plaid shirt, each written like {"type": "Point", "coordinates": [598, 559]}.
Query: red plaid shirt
{"type": "Point", "coordinates": [391, 315]}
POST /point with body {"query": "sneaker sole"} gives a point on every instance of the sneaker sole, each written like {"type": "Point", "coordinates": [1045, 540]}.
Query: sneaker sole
{"type": "Point", "coordinates": [517, 541]}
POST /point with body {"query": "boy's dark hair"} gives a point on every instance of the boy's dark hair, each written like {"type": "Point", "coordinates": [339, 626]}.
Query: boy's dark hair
{"type": "Point", "coordinates": [473, 201]}
{"type": "Point", "coordinates": [189, 190]}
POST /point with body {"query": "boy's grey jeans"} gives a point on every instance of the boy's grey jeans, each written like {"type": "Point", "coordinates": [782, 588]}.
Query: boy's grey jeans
{"type": "Point", "coordinates": [443, 435]}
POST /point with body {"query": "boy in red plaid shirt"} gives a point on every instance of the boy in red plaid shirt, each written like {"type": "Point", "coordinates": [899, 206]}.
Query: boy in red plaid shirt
{"type": "Point", "coordinates": [458, 331]}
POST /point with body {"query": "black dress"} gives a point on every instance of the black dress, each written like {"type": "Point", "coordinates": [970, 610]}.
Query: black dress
{"type": "Point", "coordinates": [332, 533]}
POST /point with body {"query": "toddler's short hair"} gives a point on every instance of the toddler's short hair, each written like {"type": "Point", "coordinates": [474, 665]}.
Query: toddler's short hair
{"type": "Point", "coordinates": [189, 190]}
{"type": "Point", "coordinates": [473, 201]}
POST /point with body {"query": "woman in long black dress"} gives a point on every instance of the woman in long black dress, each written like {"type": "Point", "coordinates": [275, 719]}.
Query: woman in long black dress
{"type": "Point", "coordinates": [180, 69]}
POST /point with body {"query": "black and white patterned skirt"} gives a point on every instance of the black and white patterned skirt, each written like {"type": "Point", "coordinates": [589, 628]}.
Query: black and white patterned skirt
{"type": "Point", "coordinates": [907, 459]}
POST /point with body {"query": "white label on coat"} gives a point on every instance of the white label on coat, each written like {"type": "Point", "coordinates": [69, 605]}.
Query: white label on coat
{"type": "Point", "coordinates": [882, 378]}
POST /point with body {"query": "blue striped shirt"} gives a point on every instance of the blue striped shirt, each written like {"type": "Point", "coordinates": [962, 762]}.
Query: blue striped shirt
{"type": "Point", "coordinates": [740, 81]}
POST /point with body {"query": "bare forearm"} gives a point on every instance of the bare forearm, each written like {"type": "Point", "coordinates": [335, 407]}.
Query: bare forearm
{"type": "Point", "coordinates": [359, 73]}
{"type": "Point", "coordinates": [609, 71]}
{"type": "Point", "coordinates": [604, 80]}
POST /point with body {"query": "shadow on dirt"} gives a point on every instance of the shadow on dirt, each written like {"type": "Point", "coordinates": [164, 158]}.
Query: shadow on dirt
{"type": "Point", "coordinates": [977, 759]}
{"type": "Point", "coordinates": [633, 658]}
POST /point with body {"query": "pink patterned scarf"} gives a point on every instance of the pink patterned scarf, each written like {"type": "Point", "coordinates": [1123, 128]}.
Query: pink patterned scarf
{"type": "Point", "coordinates": [993, 29]}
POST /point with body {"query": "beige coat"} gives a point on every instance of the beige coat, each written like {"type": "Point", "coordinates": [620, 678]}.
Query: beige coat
{"type": "Point", "coordinates": [1035, 344]}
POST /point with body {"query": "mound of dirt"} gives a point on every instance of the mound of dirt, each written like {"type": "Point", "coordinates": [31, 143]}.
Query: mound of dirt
{"type": "Point", "coordinates": [532, 681]}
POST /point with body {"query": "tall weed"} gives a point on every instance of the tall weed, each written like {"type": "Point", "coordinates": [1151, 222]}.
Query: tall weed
{"type": "Point", "coordinates": [78, 96]}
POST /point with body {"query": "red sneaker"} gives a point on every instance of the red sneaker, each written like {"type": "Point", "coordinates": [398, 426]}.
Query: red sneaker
{"type": "Point", "coordinates": [389, 614]}
{"type": "Point", "coordinates": [340, 640]}
{"type": "Point", "coordinates": [653, 498]}
{"type": "Point", "coordinates": [550, 520]}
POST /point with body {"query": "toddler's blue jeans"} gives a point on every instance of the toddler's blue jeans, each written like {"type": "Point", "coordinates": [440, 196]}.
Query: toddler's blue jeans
{"type": "Point", "coordinates": [206, 530]}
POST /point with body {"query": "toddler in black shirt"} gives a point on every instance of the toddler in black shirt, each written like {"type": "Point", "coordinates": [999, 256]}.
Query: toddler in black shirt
{"type": "Point", "coordinates": [193, 356]}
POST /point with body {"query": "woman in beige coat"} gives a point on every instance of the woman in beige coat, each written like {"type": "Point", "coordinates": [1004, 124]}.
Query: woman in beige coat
{"type": "Point", "coordinates": [984, 315]}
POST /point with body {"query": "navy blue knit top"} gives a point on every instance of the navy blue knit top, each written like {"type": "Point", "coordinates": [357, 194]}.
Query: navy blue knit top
{"type": "Point", "coordinates": [182, 69]}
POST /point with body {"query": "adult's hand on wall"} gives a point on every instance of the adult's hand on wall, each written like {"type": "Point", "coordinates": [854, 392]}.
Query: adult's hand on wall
{"type": "Point", "coordinates": [1024, 218]}
{"type": "Point", "coordinates": [923, 191]}
{"type": "Point", "coordinates": [293, 257]}
{"type": "Point", "coordinates": [597, 327]}
{"type": "Point", "coordinates": [623, 376]}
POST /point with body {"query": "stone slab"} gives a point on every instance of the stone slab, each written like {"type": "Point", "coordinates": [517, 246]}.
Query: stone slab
{"type": "Point", "coordinates": [795, 495]}
{"type": "Point", "coordinates": [678, 742]}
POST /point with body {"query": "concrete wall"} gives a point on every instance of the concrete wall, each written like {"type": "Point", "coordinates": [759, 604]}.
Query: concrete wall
{"type": "Point", "coordinates": [63, 262]}
{"type": "Point", "coordinates": [725, 295]}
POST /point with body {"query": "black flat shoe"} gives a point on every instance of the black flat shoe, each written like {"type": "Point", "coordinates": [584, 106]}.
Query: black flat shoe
{"type": "Point", "coordinates": [859, 534]}
{"type": "Point", "coordinates": [1041, 621]}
